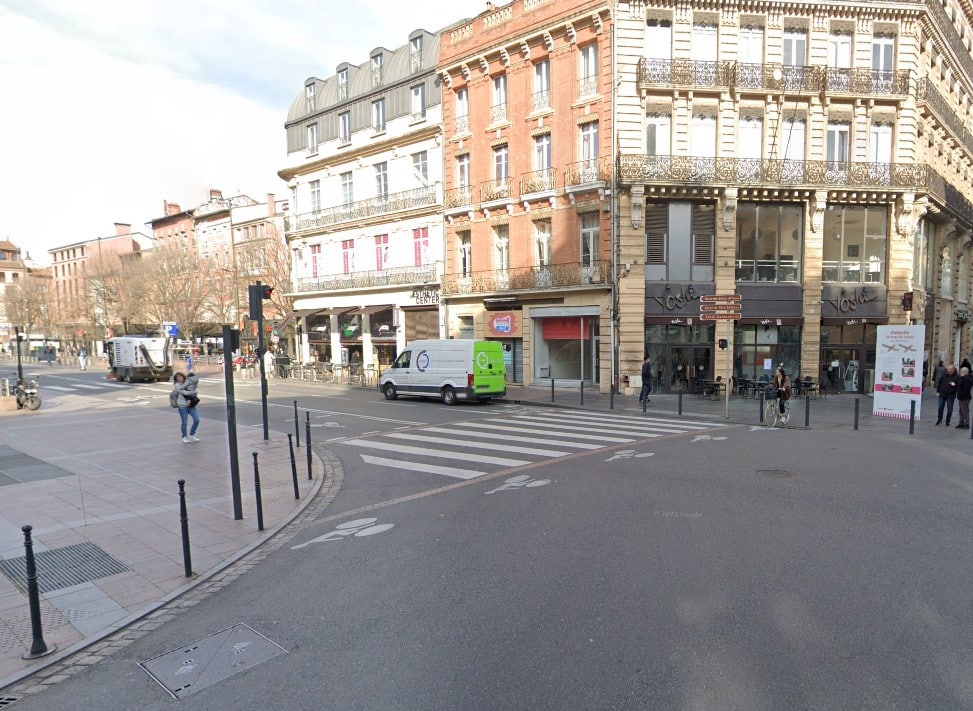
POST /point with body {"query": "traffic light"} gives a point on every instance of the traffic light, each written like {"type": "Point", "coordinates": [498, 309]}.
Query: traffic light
{"type": "Point", "coordinates": [722, 344]}
{"type": "Point", "coordinates": [257, 294]}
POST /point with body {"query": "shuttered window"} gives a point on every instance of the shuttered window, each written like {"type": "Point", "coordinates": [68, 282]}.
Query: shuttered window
{"type": "Point", "coordinates": [656, 227]}
{"type": "Point", "coordinates": [704, 232]}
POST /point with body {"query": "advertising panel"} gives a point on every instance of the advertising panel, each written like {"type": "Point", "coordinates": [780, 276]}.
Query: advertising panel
{"type": "Point", "coordinates": [898, 371]}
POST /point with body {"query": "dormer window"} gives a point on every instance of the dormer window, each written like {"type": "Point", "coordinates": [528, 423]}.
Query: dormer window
{"type": "Point", "coordinates": [309, 98]}
{"type": "Point", "coordinates": [343, 84]}
{"type": "Point", "coordinates": [377, 70]}
{"type": "Point", "coordinates": [415, 54]}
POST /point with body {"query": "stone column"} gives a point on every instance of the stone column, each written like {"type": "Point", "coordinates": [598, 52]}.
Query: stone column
{"type": "Point", "coordinates": [813, 256]}
{"type": "Point", "coordinates": [631, 282]}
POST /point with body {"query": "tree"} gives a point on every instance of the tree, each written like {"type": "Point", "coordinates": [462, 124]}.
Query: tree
{"type": "Point", "coordinates": [28, 304]}
{"type": "Point", "coordinates": [119, 292]}
{"type": "Point", "coordinates": [176, 289]}
{"type": "Point", "coordinates": [268, 260]}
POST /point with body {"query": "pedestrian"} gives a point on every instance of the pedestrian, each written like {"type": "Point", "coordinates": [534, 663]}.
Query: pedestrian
{"type": "Point", "coordinates": [83, 358]}
{"type": "Point", "coordinates": [646, 380]}
{"type": "Point", "coordinates": [782, 385]}
{"type": "Point", "coordinates": [185, 390]}
{"type": "Point", "coordinates": [937, 373]}
{"type": "Point", "coordinates": [963, 397]}
{"type": "Point", "coordinates": [268, 363]}
{"type": "Point", "coordinates": [946, 387]}
{"type": "Point", "coordinates": [965, 363]}
{"type": "Point", "coordinates": [49, 354]}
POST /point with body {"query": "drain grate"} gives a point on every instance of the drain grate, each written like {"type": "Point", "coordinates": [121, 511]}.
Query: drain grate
{"type": "Point", "coordinates": [776, 473]}
{"type": "Point", "coordinates": [63, 567]}
{"type": "Point", "coordinates": [209, 660]}
{"type": "Point", "coordinates": [5, 701]}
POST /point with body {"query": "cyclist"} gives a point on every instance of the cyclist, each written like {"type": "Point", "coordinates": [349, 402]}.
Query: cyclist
{"type": "Point", "coordinates": [782, 385]}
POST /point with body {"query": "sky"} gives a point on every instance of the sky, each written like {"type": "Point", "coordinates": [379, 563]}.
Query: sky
{"type": "Point", "coordinates": [111, 107]}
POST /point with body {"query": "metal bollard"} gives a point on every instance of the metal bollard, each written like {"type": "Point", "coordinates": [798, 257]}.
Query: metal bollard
{"type": "Point", "coordinates": [290, 446]}
{"type": "Point", "coordinates": [912, 417]}
{"type": "Point", "coordinates": [680, 402]}
{"type": "Point", "coordinates": [187, 559]}
{"type": "Point", "coordinates": [552, 389]}
{"type": "Point", "coordinates": [807, 412]}
{"type": "Point", "coordinates": [38, 647]}
{"type": "Point", "coordinates": [307, 442]}
{"type": "Point", "coordinates": [256, 489]}
{"type": "Point", "coordinates": [297, 426]}
{"type": "Point", "coordinates": [645, 401]}
{"type": "Point", "coordinates": [857, 407]}
{"type": "Point", "coordinates": [762, 396]}
{"type": "Point", "coordinates": [582, 393]}
{"type": "Point", "coordinates": [611, 397]}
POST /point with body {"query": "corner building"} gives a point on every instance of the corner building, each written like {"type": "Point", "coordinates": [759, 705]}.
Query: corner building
{"type": "Point", "coordinates": [527, 112]}
{"type": "Point", "coordinates": [814, 158]}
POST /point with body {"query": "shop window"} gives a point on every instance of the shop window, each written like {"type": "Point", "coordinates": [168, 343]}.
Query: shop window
{"type": "Point", "coordinates": [769, 243]}
{"type": "Point", "coordinates": [758, 350]}
{"type": "Point", "coordinates": [679, 241]}
{"type": "Point", "coordinates": [855, 244]}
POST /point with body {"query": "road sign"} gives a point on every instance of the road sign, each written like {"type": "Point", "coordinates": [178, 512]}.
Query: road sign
{"type": "Point", "coordinates": [170, 329]}
{"type": "Point", "coordinates": [719, 307]}
{"type": "Point", "coordinates": [720, 317]}
{"type": "Point", "coordinates": [275, 339]}
{"type": "Point", "coordinates": [720, 298]}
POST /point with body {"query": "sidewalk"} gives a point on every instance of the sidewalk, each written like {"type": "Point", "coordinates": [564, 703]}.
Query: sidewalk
{"type": "Point", "coordinates": [98, 482]}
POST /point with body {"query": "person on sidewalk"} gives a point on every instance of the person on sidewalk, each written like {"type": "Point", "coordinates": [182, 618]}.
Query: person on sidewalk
{"type": "Point", "coordinates": [83, 358]}
{"type": "Point", "coordinates": [946, 388]}
{"type": "Point", "coordinates": [963, 397]}
{"type": "Point", "coordinates": [185, 387]}
{"type": "Point", "coordinates": [937, 373]}
{"type": "Point", "coordinates": [646, 380]}
{"type": "Point", "coordinates": [782, 385]}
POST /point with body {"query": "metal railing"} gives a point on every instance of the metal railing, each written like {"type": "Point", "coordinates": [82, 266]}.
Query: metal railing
{"type": "Point", "coordinates": [538, 181]}
{"type": "Point", "coordinates": [498, 113]}
{"type": "Point", "coordinates": [587, 86]}
{"type": "Point", "coordinates": [552, 276]}
{"type": "Point", "coordinates": [540, 100]}
{"type": "Point", "coordinates": [458, 197]}
{"type": "Point", "coordinates": [585, 172]}
{"type": "Point", "coordinates": [495, 190]}
{"type": "Point", "coordinates": [948, 117]}
{"type": "Point", "coordinates": [360, 209]}
{"type": "Point", "coordinates": [391, 276]}
{"type": "Point", "coordinates": [462, 124]}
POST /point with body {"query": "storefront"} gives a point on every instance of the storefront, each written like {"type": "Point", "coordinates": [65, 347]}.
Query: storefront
{"type": "Point", "coordinates": [759, 348]}
{"type": "Point", "coordinates": [506, 327]}
{"type": "Point", "coordinates": [850, 314]}
{"type": "Point", "coordinates": [680, 353]}
{"type": "Point", "coordinates": [565, 343]}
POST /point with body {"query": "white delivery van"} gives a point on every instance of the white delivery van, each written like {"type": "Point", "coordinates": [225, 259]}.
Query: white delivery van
{"type": "Point", "coordinates": [133, 358]}
{"type": "Point", "coordinates": [455, 369]}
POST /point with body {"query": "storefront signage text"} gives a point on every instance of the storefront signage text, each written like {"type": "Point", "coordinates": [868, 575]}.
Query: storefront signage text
{"type": "Point", "coordinates": [851, 299]}
{"type": "Point", "coordinates": [677, 300]}
{"type": "Point", "coordinates": [504, 324]}
{"type": "Point", "coordinates": [425, 296]}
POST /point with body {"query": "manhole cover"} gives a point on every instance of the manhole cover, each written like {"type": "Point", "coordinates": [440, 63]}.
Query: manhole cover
{"type": "Point", "coordinates": [202, 663]}
{"type": "Point", "coordinates": [776, 473]}
{"type": "Point", "coordinates": [63, 567]}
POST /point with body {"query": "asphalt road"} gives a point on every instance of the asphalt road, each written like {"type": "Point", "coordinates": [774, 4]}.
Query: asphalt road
{"type": "Point", "coordinates": [703, 568]}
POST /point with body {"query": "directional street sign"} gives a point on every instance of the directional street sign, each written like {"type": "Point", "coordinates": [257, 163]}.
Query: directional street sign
{"type": "Point", "coordinates": [719, 298]}
{"type": "Point", "coordinates": [719, 307]}
{"type": "Point", "coordinates": [727, 316]}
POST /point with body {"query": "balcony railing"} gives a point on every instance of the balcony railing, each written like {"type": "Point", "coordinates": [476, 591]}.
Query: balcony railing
{"type": "Point", "coordinates": [458, 197]}
{"type": "Point", "coordinates": [462, 124]}
{"type": "Point", "coordinates": [393, 276]}
{"type": "Point", "coordinates": [395, 202]}
{"type": "Point", "coordinates": [415, 61]}
{"type": "Point", "coordinates": [945, 113]}
{"type": "Point", "coordinates": [552, 276]}
{"type": "Point", "coordinates": [586, 172]}
{"type": "Point", "coordinates": [538, 181]}
{"type": "Point", "coordinates": [770, 77]}
{"type": "Point", "coordinates": [498, 113]}
{"type": "Point", "coordinates": [587, 86]}
{"type": "Point", "coordinates": [495, 190]}
{"type": "Point", "coordinates": [540, 100]}
{"type": "Point", "coordinates": [753, 171]}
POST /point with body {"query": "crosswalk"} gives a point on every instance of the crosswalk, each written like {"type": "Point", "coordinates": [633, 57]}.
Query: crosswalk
{"type": "Point", "coordinates": [466, 450]}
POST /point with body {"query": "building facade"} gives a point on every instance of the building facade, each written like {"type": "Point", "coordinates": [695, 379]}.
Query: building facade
{"type": "Point", "coordinates": [12, 271]}
{"type": "Point", "coordinates": [364, 169]}
{"type": "Point", "coordinates": [814, 158]}
{"type": "Point", "coordinates": [527, 111]}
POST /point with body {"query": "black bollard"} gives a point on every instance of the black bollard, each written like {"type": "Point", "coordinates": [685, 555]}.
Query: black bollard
{"type": "Point", "coordinates": [256, 491]}
{"type": "Point", "coordinates": [762, 395]}
{"type": "Point", "coordinates": [912, 417]}
{"type": "Point", "coordinates": [38, 647]}
{"type": "Point", "coordinates": [307, 442]}
{"type": "Point", "coordinates": [611, 397]}
{"type": "Point", "coordinates": [297, 426]}
{"type": "Point", "coordinates": [290, 446]}
{"type": "Point", "coordinates": [582, 393]}
{"type": "Point", "coordinates": [187, 560]}
{"type": "Point", "coordinates": [857, 407]}
{"type": "Point", "coordinates": [552, 389]}
{"type": "Point", "coordinates": [645, 401]}
{"type": "Point", "coordinates": [807, 411]}
{"type": "Point", "coordinates": [680, 402]}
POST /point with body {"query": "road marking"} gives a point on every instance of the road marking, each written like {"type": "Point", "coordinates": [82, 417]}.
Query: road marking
{"type": "Point", "coordinates": [634, 421]}
{"type": "Point", "coordinates": [419, 467]}
{"type": "Point", "coordinates": [479, 445]}
{"type": "Point", "coordinates": [519, 482]}
{"type": "Point", "coordinates": [520, 428]}
{"type": "Point", "coordinates": [59, 388]}
{"type": "Point", "coordinates": [426, 452]}
{"type": "Point", "coordinates": [89, 387]}
{"type": "Point", "coordinates": [361, 528]}
{"type": "Point", "coordinates": [509, 438]}
{"type": "Point", "coordinates": [589, 426]}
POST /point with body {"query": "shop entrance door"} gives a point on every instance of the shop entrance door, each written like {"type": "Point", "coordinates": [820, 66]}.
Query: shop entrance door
{"type": "Point", "coordinates": [850, 372]}
{"type": "Point", "coordinates": [679, 367]}
{"type": "Point", "coordinates": [702, 367]}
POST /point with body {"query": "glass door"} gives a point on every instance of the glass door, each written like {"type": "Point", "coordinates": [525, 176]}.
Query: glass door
{"type": "Point", "coordinates": [679, 363]}
{"type": "Point", "coordinates": [851, 376]}
{"type": "Point", "coordinates": [702, 367]}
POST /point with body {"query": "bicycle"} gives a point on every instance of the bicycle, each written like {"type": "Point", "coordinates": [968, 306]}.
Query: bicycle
{"type": "Point", "coordinates": [772, 413]}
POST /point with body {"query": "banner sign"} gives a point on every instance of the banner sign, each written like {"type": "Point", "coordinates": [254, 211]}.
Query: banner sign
{"type": "Point", "coordinates": [898, 371]}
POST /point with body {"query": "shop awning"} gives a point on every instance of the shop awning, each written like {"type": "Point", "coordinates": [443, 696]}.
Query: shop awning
{"type": "Point", "coordinates": [303, 313]}
{"type": "Point", "coordinates": [329, 311]}
{"type": "Point", "coordinates": [369, 310]}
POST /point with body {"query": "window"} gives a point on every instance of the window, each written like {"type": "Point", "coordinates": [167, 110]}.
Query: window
{"type": "Point", "coordinates": [542, 243]}
{"type": "Point", "coordinates": [501, 248]}
{"type": "Point", "coordinates": [588, 145]}
{"type": "Point", "coordinates": [883, 63]}
{"type": "Point", "coordinates": [501, 166]}
{"type": "Point", "coordinates": [703, 135]}
{"type": "Point", "coordinates": [382, 180]}
{"type": "Point", "coordinates": [793, 138]}
{"type": "Point", "coordinates": [945, 276]}
{"type": "Point", "coordinates": [923, 265]}
{"type": "Point", "coordinates": [348, 255]}
{"type": "Point", "coordinates": [590, 231]}
{"type": "Point", "coordinates": [420, 246]}
{"type": "Point", "coordinates": [769, 242]}
{"type": "Point", "coordinates": [347, 189]}
{"type": "Point", "coordinates": [658, 138]}
{"type": "Point", "coordinates": [542, 86]}
{"type": "Point", "coordinates": [795, 48]}
{"type": "Point", "coordinates": [498, 112]}
{"type": "Point", "coordinates": [880, 145]}
{"type": "Point", "coordinates": [750, 136]}
{"type": "Point", "coordinates": [343, 84]}
{"type": "Point", "coordinates": [420, 168]}
{"type": "Point", "coordinates": [378, 115]}
{"type": "Point", "coordinates": [658, 39]}
{"type": "Point", "coordinates": [704, 50]}
{"type": "Point", "coordinates": [750, 47]}
{"type": "Point", "coordinates": [542, 151]}
{"type": "Point", "coordinates": [381, 252]}
{"type": "Point", "coordinates": [312, 137]}
{"type": "Point", "coordinates": [315, 260]}
{"type": "Point", "coordinates": [415, 54]}
{"type": "Point", "coordinates": [309, 98]}
{"type": "Point", "coordinates": [588, 70]}
{"type": "Point", "coordinates": [855, 243]}
{"type": "Point", "coordinates": [418, 102]}
{"type": "Point", "coordinates": [838, 144]}
{"type": "Point", "coordinates": [462, 111]}
{"type": "Point", "coordinates": [464, 254]}
{"type": "Point", "coordinates": [463, 171]}
{"type": "Point", "coordinates": [377, 70]}
{"type": "Point", "coordinates": [344, 127]}
{"type": "Point", "coordinates": [839, 50]}
{"type": "Point", "coordinates": [315, 186]}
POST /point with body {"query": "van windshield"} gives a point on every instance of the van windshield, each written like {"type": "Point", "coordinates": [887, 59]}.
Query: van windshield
{"type": "Point", "coordinates": [403, 360]}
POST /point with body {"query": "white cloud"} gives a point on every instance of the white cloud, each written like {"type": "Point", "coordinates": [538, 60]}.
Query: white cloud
{"type": "Point", "coordinates": [113, 106]}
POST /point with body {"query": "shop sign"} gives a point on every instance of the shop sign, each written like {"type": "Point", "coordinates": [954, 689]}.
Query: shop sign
{"type": "Point", "coordinates": [674, 297]}
{"type": "Point", "coordinates": [425, 295]}
{"type": "Point", "coordinates": [898, 371]}
{"type": "Point", "coordinates": [503, 324]}
{"type": "Point", "coordinates": [857, 301]}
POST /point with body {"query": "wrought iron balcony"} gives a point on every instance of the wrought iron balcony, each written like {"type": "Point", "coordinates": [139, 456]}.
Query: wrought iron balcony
{"type": "Point", "coordinates": [415, 61]}
{"type": "Point", "coordinates": [552, 276]}
{"type": "Point", "coordinates": [498, 113]}
{"type": "Point", "coordinates": [693, 170]}
{"type": "Point", "coordinates": [393, 276]}
{"type": "Point", "coordinates": [538, 181]}
{"type": "Point", "coordinates": [945, 113]}
{"type": "Point", "coordinates": [770, 77]}
{"type": "Point", "coordinates": [586, 172]}
{"type": "Point", "coordinates": [493, 190]}
{"type": "Point", "coordinates": [361, 209]}
{"type": "Point", "coordinates": [462, 124]}
{"type": "Point", "coordinates": [587, 86]}
{"type": "Point", "coordinates": [540, 100]}
{"type": "Point", "coordinates": [458, 197]}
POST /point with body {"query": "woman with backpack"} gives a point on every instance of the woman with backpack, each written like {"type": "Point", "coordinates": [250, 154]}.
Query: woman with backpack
{"type": "Point", "coordinates": [184, 397]}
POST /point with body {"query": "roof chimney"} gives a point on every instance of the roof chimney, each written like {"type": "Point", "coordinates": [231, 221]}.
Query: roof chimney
{"type": "Point", "coordinates": [170, 208]}
{"type": "Point", "coordinates": [122, 228]}
{"type": "Point", "coordinates": [215, 194]}
{"type": "Point", "coordinates": [489, 6]}
{"type": "Point", "coordinates": [271, 205]}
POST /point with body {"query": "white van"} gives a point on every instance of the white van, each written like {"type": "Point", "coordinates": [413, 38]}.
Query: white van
{"type": "Point", "coordinates": [133, 358]}
{"type": "Point", "coordinates": [455, 369]}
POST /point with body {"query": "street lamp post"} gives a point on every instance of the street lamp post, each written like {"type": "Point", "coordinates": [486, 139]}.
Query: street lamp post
{"type": "Point", "coordinates": [20, 366]}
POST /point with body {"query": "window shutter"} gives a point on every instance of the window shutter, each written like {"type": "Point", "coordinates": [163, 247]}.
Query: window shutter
{"type": "Point", "coordinates": [704, 230]}
{"type": "Point", "coordinates": [702, 249]}
{"type": "Point", "coordinates": [656, 226]}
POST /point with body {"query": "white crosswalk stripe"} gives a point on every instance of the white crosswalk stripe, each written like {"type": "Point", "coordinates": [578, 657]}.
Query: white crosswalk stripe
{"type": "Point", "coordinates": [513, 439]}
{"type": "Point", "coordinates": [59, 388]}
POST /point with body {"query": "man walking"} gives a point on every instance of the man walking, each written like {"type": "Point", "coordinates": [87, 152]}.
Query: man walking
{"type": "Point", "coordinates": [646, 380]}
{"type": "Point", "coordinates": [946, 387]}
{"type": "Point", "coordinates": [963, 397]}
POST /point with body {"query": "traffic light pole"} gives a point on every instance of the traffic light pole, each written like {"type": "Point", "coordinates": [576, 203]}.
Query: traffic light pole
{"type": "Point", "coordinates": [263, 370]}
{"type": "Point", "coordinates": [231, 422]}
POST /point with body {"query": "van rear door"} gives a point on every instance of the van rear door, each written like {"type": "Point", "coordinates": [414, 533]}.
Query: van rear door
{"type": "Point", "coordinates": [489, 371]}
